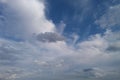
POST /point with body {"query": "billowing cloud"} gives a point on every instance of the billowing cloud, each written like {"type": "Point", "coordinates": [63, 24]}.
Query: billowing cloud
{"type": "Point", "coordinates": [50, 57]}
{"type": "Point", "coordinates": [23, 18]}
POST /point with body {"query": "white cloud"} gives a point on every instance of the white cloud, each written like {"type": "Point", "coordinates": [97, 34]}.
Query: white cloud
{"type": "Point", "coordinates": [114, 39]}
{"type": "Point", "coordinates": [57, 58]}
{"type": "Point", "coordinates": [34, 59]}
{"type": "Point", "coordinates": [24, 17]}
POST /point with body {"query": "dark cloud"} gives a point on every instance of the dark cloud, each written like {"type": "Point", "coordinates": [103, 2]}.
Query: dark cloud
{"type": "Point", "coordinates": [49, 37]}
{"type": "Point", "coordinates": [94, 72]}
{"type": "Point", "coordinates": [87, 70]}
{"type": "Point", "coordinates": [114, 48]}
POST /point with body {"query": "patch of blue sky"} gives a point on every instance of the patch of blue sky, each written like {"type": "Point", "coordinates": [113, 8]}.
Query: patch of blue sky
{"type": "Point", "coordinates": [78, 20]}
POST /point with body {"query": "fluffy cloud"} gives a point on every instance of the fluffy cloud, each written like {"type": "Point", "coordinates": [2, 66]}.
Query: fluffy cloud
{"type": "Point", "coordinates": [23, 18]}
{"type": "Point", "coordinates": [97, 58]}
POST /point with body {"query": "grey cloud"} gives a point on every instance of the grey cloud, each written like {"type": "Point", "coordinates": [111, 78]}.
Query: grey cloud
{"type": "Point", "coordinates": [50, 37]}
{"type": "Point", "coordinates": [20, 19]}
{"type": "Point", "coordinates": [7, 53]}
{"type": "Point", "coordinates": [114, 41]}
{"type": "Point", "coordinates": [57, 62]}
{"type": "Point", "coordinates": [114, 47]}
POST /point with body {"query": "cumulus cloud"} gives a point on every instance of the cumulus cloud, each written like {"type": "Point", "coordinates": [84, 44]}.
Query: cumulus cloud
{"type": "Point", "coordinates": [23, 18]}
{"type": "Point", "coordinates": [50, 57]}
{"type": "Point", "coordinates": [94, 72]}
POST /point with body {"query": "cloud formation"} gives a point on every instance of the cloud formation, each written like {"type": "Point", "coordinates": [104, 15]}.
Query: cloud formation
{"type": "Point", "coordinates": [23, 18]}
{"type": "Point", "coordinates": [111, 18]}
{"type": "Point", "coordinates": [58, 59]}
{"type": "Point", "coordinates": [50, 57]}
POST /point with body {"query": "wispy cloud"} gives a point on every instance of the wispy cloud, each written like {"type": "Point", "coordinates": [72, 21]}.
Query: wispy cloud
{"type": "Point", "coordinates": [49, 37]}
{"type": "Point", "coordinates": [111, 18]}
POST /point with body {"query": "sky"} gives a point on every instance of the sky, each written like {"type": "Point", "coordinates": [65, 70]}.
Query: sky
{"type": "Point", "coordinates": [59, 39]}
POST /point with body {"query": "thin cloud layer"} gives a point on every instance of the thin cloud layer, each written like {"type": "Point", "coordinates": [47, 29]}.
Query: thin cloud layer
{"type": "Point", "coordinates": [111, 18]}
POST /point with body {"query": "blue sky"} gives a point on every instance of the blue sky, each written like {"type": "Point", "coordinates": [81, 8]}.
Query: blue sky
{"type": "Point", "coordinates": [79, 16]}
{"type": "Point", "coordinates": [59, 39]}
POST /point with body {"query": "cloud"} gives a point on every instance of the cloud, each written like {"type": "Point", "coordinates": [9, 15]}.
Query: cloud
{"type": "Point", "coordinates": [114, 46]}
{"type": "Point", "coordinates": [50, 37]}
{"type": "Point", "coordinates": [111, 18]}
{"type": "Point", "coordinates": [50, 57]}
{"type": "Point", "coordinates": [23, 18]}
{"type": "Point", "coordinates": [94, 72]}
{"type": "Point", "coordinates": [60, 27]}
{"type": "Point", "coordinates": [114, 38]}
{"type": "Point", "coordinates": [58, 59]}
